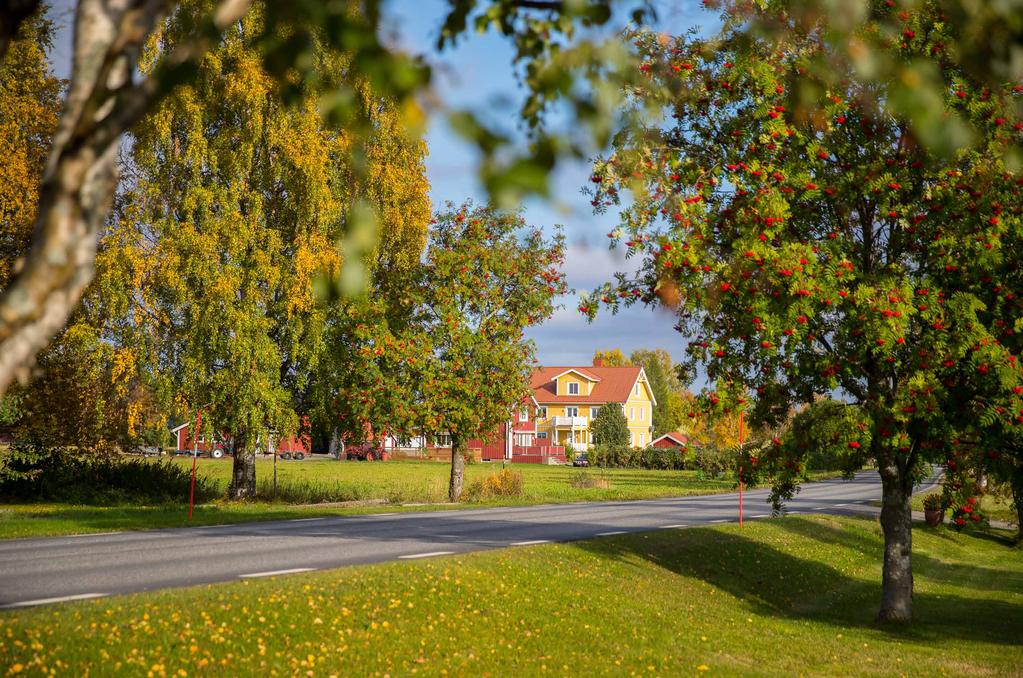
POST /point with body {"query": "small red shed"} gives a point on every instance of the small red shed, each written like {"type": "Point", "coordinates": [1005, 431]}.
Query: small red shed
{"type": "Point", "coordinates": [673, 440]}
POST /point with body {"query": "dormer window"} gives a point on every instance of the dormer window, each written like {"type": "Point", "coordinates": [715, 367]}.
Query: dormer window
{"type": "Point", "coordinates": [573, 388]}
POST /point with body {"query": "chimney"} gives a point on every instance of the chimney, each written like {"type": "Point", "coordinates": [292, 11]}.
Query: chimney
{"type": "Point", "coordinates": [598, 362]}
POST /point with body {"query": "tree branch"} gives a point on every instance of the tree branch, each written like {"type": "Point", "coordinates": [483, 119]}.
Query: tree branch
{"type": "Point", "coordinates": [80, 179]}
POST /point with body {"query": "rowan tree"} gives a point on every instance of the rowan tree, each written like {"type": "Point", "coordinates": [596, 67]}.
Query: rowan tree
{"type": "Point", "coordinates": [486, 277]}
{"type": "Point", "coordinates": [233, 214]}
{"type": "Point", "coordinates": [825, 254]}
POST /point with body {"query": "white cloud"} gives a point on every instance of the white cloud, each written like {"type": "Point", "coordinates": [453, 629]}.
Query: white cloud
{"type": "Point", "coordinates": [586, 266]}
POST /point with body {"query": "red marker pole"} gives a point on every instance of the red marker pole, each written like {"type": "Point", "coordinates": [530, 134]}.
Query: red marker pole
{"type": "Point", "coordinates": [195, 455]}
{"type": "Point", "coordinates": [740, 470]}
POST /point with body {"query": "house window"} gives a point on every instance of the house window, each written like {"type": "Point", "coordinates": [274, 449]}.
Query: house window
{"type": "Point", "coordinates": [573, 388]}
{"type": "Point", "coordinates": [444, 440]}
{"type": "Point", "coordinates": [523, 440]}
{"type": "Point", "coordinates": [632, 439]}
{"type": "Point", "coordinates": [632, 413]}
{"type": "Point", "coordinates": [593, 412]}
{"type": "Point", "coordinates": [523, 415]}
{"type": "Point", "coordinates": [571, 411]}
{"type": "Point", "coordinates": [641, 437]}
{"type": "Point", "coordinates": [543, 413]}
{"type": "Point", "coordinates": [542, 435]}
{"type": "Point", "coordinates": [591, 437]}
{"type": "Point", "coordinates": [637, 388]}
{"type": "Point", "coordinates": [641, 411]}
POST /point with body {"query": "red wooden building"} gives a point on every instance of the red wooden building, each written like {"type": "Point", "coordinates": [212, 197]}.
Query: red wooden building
{"type": "Point", "coordinates": [673, 440]}
{"type": "Point", "coordinates": [221, 445]}
{"type": "Point", "coordinates": [516, 441]}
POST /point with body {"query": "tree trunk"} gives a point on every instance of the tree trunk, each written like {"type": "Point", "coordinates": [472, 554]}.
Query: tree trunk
{"type": "Point", "coordinates": [457, 467]}
{"type": "Point", "coordinates": [337, 446]}
{"type": "Point", "coordinates": [896, 522]}
{"type": "Point", "coordinates": [243, 471]}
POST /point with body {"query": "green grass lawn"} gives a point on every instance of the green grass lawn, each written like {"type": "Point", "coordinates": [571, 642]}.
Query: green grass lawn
{"type": "Point", "coordinates": [786, 596]}
{"type": "Point", "coordinates": [305, 485]}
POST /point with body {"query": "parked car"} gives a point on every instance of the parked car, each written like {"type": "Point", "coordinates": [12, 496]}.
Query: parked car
{"type": "Point", "coordinates": [581, 460]}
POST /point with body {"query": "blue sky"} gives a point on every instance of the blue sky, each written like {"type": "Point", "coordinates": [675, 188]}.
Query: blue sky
{"type": "Point", "coordinates": [478, 74]}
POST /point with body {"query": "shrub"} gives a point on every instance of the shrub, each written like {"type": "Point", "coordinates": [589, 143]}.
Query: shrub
{"type": "Point", "coordinates": [585, 480]}
{"type": "Point", "coordinates": [610, 456]}
{"type": "Point", "coordinates": [504, 483]}
{"type": "Point", "coordinates": [60, 474]}
{"type": "Point", "coordinates": [711, 461]}
{"type": "Point", "coordinates": [932, 502]}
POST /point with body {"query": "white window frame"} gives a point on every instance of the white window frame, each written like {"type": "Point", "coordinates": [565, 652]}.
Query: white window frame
{"type": "Point", "coordinates": [543, 413]}
{"type": "Point", "coordinates": [632, 414]}
{"type": "Point", "coordinates": [541, 435]}
{"type": "Point", "coordinates": [641, 436]}
{"type": "Point", "coordinates": [641, 411]}
{"type": "Point", "coordinates": [637, 388]}
{"type": "Point", "coordinates": [523, 415]}
{"type": "Point", "coordinates": [572, 411]}
{"type": "Point", "coordinates": [443, 440]}
{"type": "Point", "coordinates": [593, 412]}
{"type": "Point", "coordinates": [632, 439]}
{"type": "Point", "coordinates": [575, 385]}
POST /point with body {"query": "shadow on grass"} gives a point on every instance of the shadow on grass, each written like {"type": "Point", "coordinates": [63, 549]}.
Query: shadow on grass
{"type": "Point", "coordinates": [924, 565]}
{"type": "Point", "coordinates": [774, 583]}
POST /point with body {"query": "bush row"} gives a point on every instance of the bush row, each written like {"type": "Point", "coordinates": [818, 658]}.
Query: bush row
{"type": "Point", "coordinates": [707, 459]}
{"type": "Point", "coordinates": [67, 475]}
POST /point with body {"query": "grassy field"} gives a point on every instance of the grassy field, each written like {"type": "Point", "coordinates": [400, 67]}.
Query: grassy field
{"type": "Point", "coordinates": [784, 596]}
{"type": "Point", "coordinates": [397, 485]}
{"type": "Point", "coordinates": [427, 482]}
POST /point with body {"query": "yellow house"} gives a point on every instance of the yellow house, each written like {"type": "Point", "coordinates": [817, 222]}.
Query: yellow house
{"type": "Point", "coordinates": [568, 399]}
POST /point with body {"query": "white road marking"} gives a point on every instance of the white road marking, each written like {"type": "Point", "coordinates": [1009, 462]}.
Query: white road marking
{"type": "Point", "coordinates": [428, 554]}
{"type": "Point", "coordinates": [671, 527]}
{"type": "Point", "coordinates": [377, 515]}
{"type": "Point", "coordinates": [531, 542]}
{"type": "Point", "coordinates": [841, 505]}
{"type": "Point", "coordinates": [47, 601]}
{"type": "Point", "coordinates": [609, 534]}
{"type": "Point", "coordinates": [87, 534]}
{"type": "Point", "coordinates": [304, 520]}
{"type": "Point", "coordinates": [724, 520]}
{"type": "Point", "coordinates": [759, 515]}
{"type": "Point", "coordinates": [274, 573]}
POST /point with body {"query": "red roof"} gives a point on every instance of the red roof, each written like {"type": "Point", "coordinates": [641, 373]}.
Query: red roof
{"type": "Point", "coordinates": [614, 385]}
{"type": "Point", "coordinates": [680, 438]}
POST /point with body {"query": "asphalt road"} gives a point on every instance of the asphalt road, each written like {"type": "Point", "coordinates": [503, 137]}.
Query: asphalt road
{"type": "Point", "coordinates": [58, 569]}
